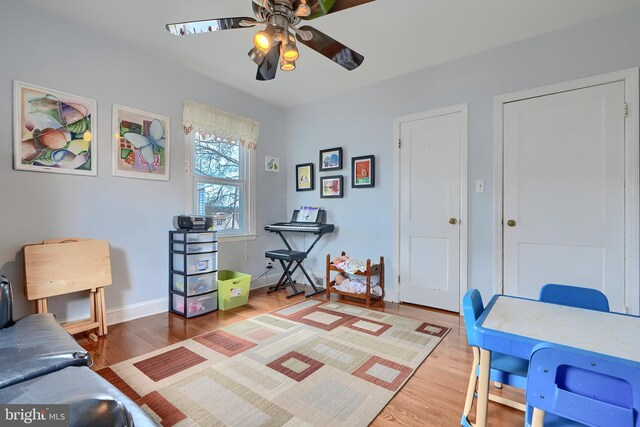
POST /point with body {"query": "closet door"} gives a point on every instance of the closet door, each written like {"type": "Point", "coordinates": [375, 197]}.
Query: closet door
{"type": "Point", "coordinates": [564, 180]}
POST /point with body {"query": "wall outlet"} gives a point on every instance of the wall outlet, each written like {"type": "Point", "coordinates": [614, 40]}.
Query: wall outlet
{"type": "Point", "coordinates": [318, 279]}
{"type": "Point", "coordinates": [268, 264]}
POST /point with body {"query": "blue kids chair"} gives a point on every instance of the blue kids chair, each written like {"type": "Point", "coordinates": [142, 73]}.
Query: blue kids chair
{"type": "Point", "coordinates": [505, 369]}
{"type": "Point", "coordinates": [571, 387]}
{"type": "Point", "coordinates": [574, 296]}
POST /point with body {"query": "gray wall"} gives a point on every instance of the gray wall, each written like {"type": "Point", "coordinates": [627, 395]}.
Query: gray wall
{"type": "Point", "coordinates": [361, 122]}
{"type": "Point", "coordinates": [134, 215]}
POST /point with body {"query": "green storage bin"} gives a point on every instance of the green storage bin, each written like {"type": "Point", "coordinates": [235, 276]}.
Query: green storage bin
{"type": "Point", "coordinates": [233, 289]}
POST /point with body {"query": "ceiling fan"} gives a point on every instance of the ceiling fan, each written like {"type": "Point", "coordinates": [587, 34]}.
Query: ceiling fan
{"type": "Point", "coordinates": [275, 45]}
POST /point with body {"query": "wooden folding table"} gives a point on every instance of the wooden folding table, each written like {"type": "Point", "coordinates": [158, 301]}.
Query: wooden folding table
{"type": "Point", "coordinates": [60, 267]}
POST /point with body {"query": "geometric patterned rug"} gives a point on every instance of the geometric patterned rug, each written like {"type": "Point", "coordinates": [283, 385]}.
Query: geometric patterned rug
{"type": "Point", "coordinates": [312, 363]}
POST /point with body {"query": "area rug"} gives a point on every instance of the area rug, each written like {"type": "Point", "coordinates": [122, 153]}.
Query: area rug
{"type": "Point", "coordinates": [312, 363]}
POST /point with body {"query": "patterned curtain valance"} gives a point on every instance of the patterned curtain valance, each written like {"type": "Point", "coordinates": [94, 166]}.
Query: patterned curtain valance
{"type": "Point", "coordinates": [210, 121]}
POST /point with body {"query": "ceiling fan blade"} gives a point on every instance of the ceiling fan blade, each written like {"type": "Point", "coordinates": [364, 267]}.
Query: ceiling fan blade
{"type": "Point", "coordinates": [267, 70]}
{"type": "Point", "coordinates": [332, 49]}
{"type": "Point", "coordinates": [260, 7]}
{"type": "Point", "coordinates": [195, 27]}
{"type": "Point", "coordinates": [324, 7]}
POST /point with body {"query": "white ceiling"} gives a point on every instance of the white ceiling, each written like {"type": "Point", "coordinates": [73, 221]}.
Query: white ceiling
{"type": "Point", "coordinates": [396, 37]}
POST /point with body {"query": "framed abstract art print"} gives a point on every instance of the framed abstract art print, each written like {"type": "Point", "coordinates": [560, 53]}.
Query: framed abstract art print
{"type": "Point", "coordinates": [54, 131]}
{"type": "Point", "coordinates": [140, 145]}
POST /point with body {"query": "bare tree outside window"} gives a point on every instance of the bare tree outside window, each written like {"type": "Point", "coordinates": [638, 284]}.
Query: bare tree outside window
{"type": "Point", "coordinates": [219, 181]}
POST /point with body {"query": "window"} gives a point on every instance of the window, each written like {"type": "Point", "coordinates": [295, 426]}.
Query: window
{"type": "Point", "coordinates": [220, 174]}
{"type": "Point", "coordinates": [220, 183]}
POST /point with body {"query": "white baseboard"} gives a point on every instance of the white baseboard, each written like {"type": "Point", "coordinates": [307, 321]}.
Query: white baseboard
{"type": "Point", "coordinates": [319, 278]}
{"type": "Point", "coordinates": [129, 312]}
{"type": "Point", "coordinates": [298, 276]}
{"type": "Point", "coordinates": [135, 311]}
{"type": "Point", "coordinates": [391, 295]}
{"type": "Point", "coordinates": [160, 305]}
{"type": "Point", "coordinates": [261, 282]}
{"type": "Point", "coordinates": [266, 280]}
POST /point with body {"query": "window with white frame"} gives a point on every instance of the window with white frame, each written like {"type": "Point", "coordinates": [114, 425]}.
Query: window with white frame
{"type": "Point", "coordinates": [220, 169]}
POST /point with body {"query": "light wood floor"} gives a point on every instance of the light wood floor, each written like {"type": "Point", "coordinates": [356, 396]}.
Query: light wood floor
{"type": "Point", "coordinates": [434, 396]}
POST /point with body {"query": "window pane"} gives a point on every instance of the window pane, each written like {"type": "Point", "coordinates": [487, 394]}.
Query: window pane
{"type": "Point", "coordinates": [217, 158]}
{"type": "Point", "coordinates": [222, 202]}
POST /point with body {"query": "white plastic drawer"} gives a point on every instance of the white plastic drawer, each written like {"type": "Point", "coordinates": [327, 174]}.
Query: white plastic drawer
{"type": "Point", "coordinates": [195, 305]}
{"type": "Point", "coordinates": [199, 284]}
{"type": "Point", "coordinates": [177, 284]}
{"type": "Point", "coordinates": [177, 303]}
{"type": "Point", "coordinates": [205, 236]}
{"type": "Point", "coordinates": [195, 248]}
{"type": "Point", "coordinates": [201, 237]}
{"type": "Point", "coordinates": [196, 263]}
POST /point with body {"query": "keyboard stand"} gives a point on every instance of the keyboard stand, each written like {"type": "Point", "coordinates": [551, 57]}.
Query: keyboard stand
{"type": "Point", "coordinates": [292, 257]}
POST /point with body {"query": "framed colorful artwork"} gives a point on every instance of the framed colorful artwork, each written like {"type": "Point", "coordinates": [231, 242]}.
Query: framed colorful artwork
{"type": "Point", "coordinates": [331, 186]}
{"type": "Point", "coordinates": [54, 131]}
{"type": "Point", "coordinates": [271, 164]}
{"type": "Point", "coordinates": [304, 177]}
{"type": "Point", "coordinates": [363, 171]}
{"type": "Point", "coordinates": [141, 144]}
{"type": "Point", "coordinates": [331, 159]}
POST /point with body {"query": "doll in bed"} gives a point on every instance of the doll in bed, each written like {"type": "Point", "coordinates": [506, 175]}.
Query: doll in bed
{"type": "Point", "coordinates": [354, 286]}
{"type": "Point", "coordinates": [340, 261]}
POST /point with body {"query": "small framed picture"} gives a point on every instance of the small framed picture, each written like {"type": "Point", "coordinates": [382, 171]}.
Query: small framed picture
{"type": "Point", "coordinates": [271, 164]}
{"type": "Point", "coordinates": [141, 144]}
{"type": "Point", "coordinates": [331, 159]}
{"type": "Point", "coordinates": [331, 187]}
{"type": "Point", "coordinates": [363, 171]}
{"type": "Point", "coordinates": [304, 177]}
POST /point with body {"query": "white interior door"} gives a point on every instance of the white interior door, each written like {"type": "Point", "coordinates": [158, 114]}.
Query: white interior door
{"type": "Point", "coordinates": [430, 210]}
{"type": "Point", "coordinates": [564, 178]}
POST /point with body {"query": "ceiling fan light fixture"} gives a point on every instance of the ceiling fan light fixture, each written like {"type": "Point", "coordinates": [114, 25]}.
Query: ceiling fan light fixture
{"type": "Point", "coordinates": [257, 55]}
{"type": "Point", "coordinates": [262, 40]}
{"type": "Point", "coordinates": [287, 65]}
{"type": "Point", "coordinates": [275, 46]}
{"type": "Point", "coordinates": [302, 11]}
{"type": "Point", "coordinates": [290, 52]}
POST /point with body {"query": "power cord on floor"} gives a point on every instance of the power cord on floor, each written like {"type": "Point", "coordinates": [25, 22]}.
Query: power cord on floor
{"type": "Point", "coordinates": [266, 271]}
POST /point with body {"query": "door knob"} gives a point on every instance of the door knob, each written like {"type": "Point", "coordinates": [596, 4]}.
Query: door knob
{"type": "Point", "coordinates": [511, 223]}
{"type": "Point", "coordinates": [453, 221]}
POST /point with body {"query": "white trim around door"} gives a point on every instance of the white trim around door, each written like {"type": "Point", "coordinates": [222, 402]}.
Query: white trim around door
{"type": "Point", "coordinates": [630, 77]}
{"type": "Point", "coordinates": [463, 109]}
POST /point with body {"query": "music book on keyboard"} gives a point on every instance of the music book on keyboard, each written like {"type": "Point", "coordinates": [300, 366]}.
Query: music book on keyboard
{"type": "Point", "coordinates": [306, 214]}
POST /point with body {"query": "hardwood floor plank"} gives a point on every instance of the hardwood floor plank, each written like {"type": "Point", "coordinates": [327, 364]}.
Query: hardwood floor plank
{"type": "Point", "coordinates": [433, 396]}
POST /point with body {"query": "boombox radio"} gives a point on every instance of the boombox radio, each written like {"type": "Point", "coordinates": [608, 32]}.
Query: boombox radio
{"type": "Point", "coordinates": [192, 222]}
